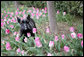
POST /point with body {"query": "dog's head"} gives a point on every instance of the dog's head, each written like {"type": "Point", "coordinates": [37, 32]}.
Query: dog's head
{"type": "Point", "coordinates": [24, 23]}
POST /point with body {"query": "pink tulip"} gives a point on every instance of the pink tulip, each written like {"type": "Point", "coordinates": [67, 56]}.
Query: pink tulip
{"type": "Point", "coordinates": [1, 13]}
{"type": "Point", "coordinates": [37, 14]}
{"type": "Point", "coordinates": [62, 36]}
{"type": "Point", "coordinates": [47, 30]}
{"type": "Point", "coordinates": [15, 33]}
{"type": "Point", "coordinates": [56, 38]}
{"type": "Point", "coordinates": [58, 12]}
{"type": "Point", "coordinates": [7, 22]}
{"type": "Point", "coordinates": [34, 11]}
{"type": "Point", "coordinates": [71, 29]}
{"type": "Point", "coordinates": [7, 31]}
{"type": "Point", "coordinates": [11, 26]}
{"type": "Point", "coordinates": [32, 14]}
{"type": "Point", "coordinates": [37, 42]}
{"type": "Point", "coordinates": [82, 43]}
{"type": "Point", "coordinates": [22, 52]}
{"type": "Point", "coordinates": [40, 13]}
{"type": "Point", "coordinates": [28, 34]}
{"type": "Point", "coordinates": [24, 16]}
{"type": "Point", "coordinates": [42, 9]}
{"type": "Point", "coordinates": [2, 20]}
{"type": "Point", "coordinates": [18, 50]}
{"type": "Point", "coordinates": [25, 40]}
{"type": "Point", "coordinates": [8, 47]}
{"type": "Point", "coordinates": [4, 11]}
{"type": "Point", "coordinates": [23, 12]}
{"type": "Point", "coordinates": [10, 15]}
{"type": "Point", "coordinates": [33, 8]}
{"type": "Point", "coordinates": [14, 21]}
{"type": "Point", "coordinates": [6, 15]}
{"type": "Point", "coordinates": [17, 39]}
{"type": "Point", "coordinates": [9, 19]}
{"type": "Point", "coordinates": [37, 17]}
{"type": "Point", "coordinates": [34, 30]}
{"type": "Point", "coordinates": [64, 13]}
{"type": "Point", "coordinates": [49, 54]}
{"type": "Point", "coordinates": [44, 15]}
{"type": "Point", "coordinates": [2, 24]}
{"type": "Point", "coordinates": [16, 13]}
{"type": "Point", "coordinates": [66, 48]}
{"type": "Point", "coordinates": [51, 44]}
{"type": "Point", "coordinates": [20, 12]}
{"type": "Point", "coordinates": [79, 35]}
{"type": "Point", "coordinates": [45, 8]}
{"type": "Point", "coordinates": [37, 39]}
{"type": "Point", "coordinates": [73, 35]}
{"type": "Point", "coordinates": [45, 11]}
{"type": "Point", "coordinates": [29, 11]}
{"type": "Point", "coordinates": [37, 10]}
{"type": "Point", "coordinates": [17, 8]}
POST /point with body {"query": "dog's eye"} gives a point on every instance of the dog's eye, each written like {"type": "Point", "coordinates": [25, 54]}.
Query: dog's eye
{"type": "Point", "coordinates": [22, 21]}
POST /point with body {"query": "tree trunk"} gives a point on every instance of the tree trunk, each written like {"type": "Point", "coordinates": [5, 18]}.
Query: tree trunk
{"type": "Point", "coordinates": [52, 17]}
{"type": "Point", "coordinates": [16, 4]}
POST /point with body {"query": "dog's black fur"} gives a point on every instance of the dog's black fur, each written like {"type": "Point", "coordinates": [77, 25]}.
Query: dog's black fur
{"type": "Point", "coordinates": [27, 26]}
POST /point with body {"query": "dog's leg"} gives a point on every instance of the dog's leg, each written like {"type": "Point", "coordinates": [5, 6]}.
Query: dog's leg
{"type": "Point", "coordinates": [33, 35]}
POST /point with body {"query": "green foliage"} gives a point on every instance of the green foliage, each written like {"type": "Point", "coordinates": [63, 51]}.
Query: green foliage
{"type": "Point", "coordinates": [37, 4]}
{"type": "Point", "coordinates": [72, 7]}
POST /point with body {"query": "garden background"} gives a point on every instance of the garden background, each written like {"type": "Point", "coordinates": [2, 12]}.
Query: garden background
{"type": "Point", "coordinates": [68, 42]}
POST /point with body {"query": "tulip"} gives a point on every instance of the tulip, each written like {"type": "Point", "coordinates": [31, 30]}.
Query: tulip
{"type": "Point", "coordinates": [71, 29]}
{"type": "Point", "coordinates": [73, 35]}
{"type": "Point", "coordinates": [49, 54]}
{"type": "Point", "coordinates": [82, 43]}
{"type": "Point", "coordinates": [18, 50]}
{"type": "Point", "coordinates": [63, 36]}
{"type": "Point", "coordinates": [64, 13]}
{"type": "Point", "coordinates": [58, 12]}
{"type": "Point", "coordinates": [51, 44]}
{"type": "Point", "coordinates": [56, 38]}
{"type": "Point", "coordinates": [7, 31]}
{"type": "Point", "coordinates": [34, 30]}
{"type": "Point", "coordinates": [25, 40]}
{"type": "Point", "coordinates": [8, 47]}
{"type": "Point", "coordinates": [66, 48]}
{"type": "Point", "coordinates": [17, 39]}
{"type": "Point", "coordinates": [47, 30]}
{"type": "Point", "coordinates": [28, 34]}
{"type": "Point", "coordinates": [79, 35]}
{"type": "Point", "coordinates": [37, 42]}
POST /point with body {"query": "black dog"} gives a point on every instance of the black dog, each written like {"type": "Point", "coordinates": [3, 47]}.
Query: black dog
{"type": "Point", "coordinates": [27, 26]}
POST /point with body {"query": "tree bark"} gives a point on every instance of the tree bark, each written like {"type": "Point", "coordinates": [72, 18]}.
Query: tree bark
{"type": "Point", "coordinates": [52, 17]}
{"type": "Point", "coordinates": [16, 4]}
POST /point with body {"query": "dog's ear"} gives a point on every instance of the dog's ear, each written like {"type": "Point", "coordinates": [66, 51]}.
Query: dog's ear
{"type": "Point", "coordinates": [28, 17]}
{"type": "Point", "coordinates": [18, 19]}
